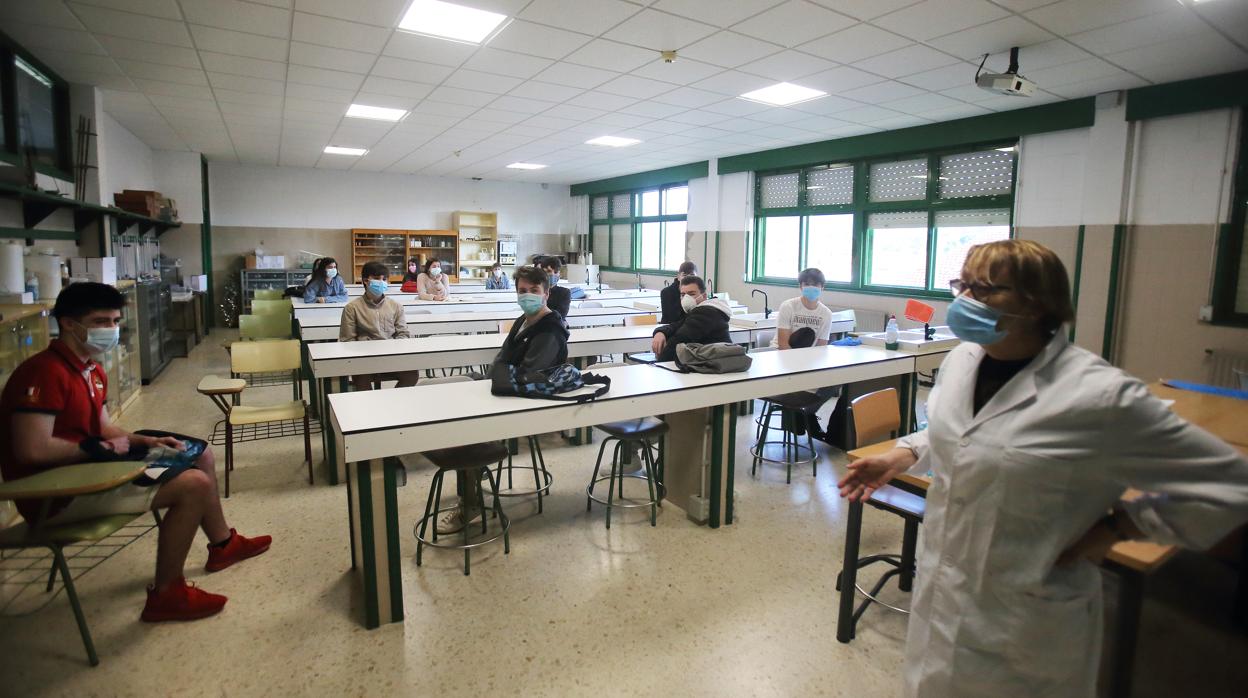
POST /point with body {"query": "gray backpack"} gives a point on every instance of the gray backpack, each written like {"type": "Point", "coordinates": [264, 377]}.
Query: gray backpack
{"type": "Point", "coordinates": [720, 357]}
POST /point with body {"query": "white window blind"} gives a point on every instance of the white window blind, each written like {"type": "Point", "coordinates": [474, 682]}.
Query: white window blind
{"type": "Point", "coordinates": [779, 190]}
{"type": "Point", "coordinates": [830, 185]}
{"type": "Point", "coordinates": [598, 208]}
{"type": "Point", "coordinates": [621, 205]}
{"type": "Point", "coordinates": [903, 180]}
{"type": "Point", "coordinates": [984, 173]}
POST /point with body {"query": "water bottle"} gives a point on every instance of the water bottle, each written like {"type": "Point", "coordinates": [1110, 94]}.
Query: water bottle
{"type": "Point", "coordinates": [890, 333]}
{"type": "Point", "coordinates": [32, 285]}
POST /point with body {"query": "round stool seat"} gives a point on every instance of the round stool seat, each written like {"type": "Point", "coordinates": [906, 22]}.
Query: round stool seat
{"type": "Point", "coordinates": [468, 457]}
{"type": "Point", "coordinates": [634, 428]}
{"type": "Point", "coordinates": [797, 401]}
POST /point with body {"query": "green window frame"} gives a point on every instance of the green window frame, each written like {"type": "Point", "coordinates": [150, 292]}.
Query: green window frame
{"type": "Point", "coordinates": [58, 164]}
{"type": "Point", "coordinates": [631, 219]}
{"type": "Point", "coordinates": [1230, 279]}
{"type": "Point", "coordinates": [930, 204]}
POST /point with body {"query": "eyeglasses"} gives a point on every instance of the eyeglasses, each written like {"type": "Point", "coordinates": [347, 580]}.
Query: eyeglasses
{"type": "Point", "coordinates": [958, 286]}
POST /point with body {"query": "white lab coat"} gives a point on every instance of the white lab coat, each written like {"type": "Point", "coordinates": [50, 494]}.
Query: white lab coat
{"type": "Point", "coordinates": [1015, 485]}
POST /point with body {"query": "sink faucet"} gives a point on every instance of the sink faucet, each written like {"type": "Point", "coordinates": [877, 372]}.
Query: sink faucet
{"type": "Point", "coordinates": [639, 287]}
{"type": "Point", "coordinates": [766, 302]}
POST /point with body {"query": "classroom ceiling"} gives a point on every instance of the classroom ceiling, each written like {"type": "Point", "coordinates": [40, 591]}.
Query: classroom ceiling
{"type": "Point", "coordinates": [269, 81]}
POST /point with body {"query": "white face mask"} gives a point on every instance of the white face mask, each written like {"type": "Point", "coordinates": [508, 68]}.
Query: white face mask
{"type": "Point", "coordinates": [688, 303]}
{"type": "Point", "coordinates": [435, 272]}
{"type": "Point", "coordinates": [498, 273]}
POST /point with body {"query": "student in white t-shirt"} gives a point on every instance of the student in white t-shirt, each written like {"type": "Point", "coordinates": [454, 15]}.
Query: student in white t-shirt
{"type": "Point", "coordinates": [804, 311]}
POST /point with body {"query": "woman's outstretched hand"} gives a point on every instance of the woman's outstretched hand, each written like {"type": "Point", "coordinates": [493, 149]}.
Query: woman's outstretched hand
{"type": "Point", "coordinates": [867, 475]}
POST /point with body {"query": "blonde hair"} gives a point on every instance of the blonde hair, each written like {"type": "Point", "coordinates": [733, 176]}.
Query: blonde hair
{"type": "Point", "coordinates": [1033, 270]}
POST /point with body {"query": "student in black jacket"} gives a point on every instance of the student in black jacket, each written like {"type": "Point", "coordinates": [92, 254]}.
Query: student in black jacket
{"type": "Point", "coordinates": [560, 298]}
{"type": "Point", "coordinates": [669, 297]}
{"type": "Point", "coordinates": [539, 337]}
{"type": "Point", "coordinates": [705, 322]}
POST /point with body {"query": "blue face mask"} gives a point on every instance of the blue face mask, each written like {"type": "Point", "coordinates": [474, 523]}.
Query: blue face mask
{"type": "Point", "coordinates": [973, 321]}
{"type": "Point", "coordinates": [554, 279]}
{"type": "Point", "coordinates": [331, 273]}
{"type": "Point", "coordinates": [811, 293]}
{"type": "Point", "coordinates": [530, 303]}
{"type": "Point", "coordinates": [378, 287]}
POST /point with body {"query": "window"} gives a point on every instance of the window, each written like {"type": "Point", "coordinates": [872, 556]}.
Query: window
{"type": "Point", "coordinates": [35, 114]}
{"type": "Point", "coordinates": [900, 225]}
{"type": "Point", "coordinates": [640, 230]}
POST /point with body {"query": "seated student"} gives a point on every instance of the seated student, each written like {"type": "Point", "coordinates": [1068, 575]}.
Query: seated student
{"type": "Point", "coordinates": [411, 277]}
{"type": "Point", "coordinates": [497, 280]}
{"type": "Point", "coordinates": [53, 413]}
{"type": "Point", "coordinates": [316, 264]}
{"type": "Point", "coordinates": [802, 313]}
{"type": "Point", "coordinates": [560, 299]}
{"type": "Point", "coordinates": [705, 321]}
{"type": "Point", "coordinates": [431, 284]}
{"type": "Point", "coordinates": [326, 286]}
{"type": "Point", "coordinates": [373, 316]}
{"type": "Point", "coordinates": [669, 297]}
{"type": "Point", "coordinates": [538, 340]}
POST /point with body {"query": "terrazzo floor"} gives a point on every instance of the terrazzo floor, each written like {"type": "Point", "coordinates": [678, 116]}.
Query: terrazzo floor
{"type": "Point", "coordinates": [575, 609]}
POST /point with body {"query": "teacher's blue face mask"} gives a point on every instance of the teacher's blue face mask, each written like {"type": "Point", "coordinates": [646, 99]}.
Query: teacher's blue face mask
{"type": "Point", "coordinates": [973, 321]}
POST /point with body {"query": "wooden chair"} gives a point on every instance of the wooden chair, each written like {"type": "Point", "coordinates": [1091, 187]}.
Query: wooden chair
{"type": "Point", "coordinates": [635, 320]}
{"type": "Point", "coordinates": [68, 481]}
{"type": "Point", "coordinates": [269, 294]}
{"type": "Point", "coordinates": [504, 326]}
{"type": "Point", "coordinates": [259, 357]}
{"type": "Point", "coordinates": [275, 307]}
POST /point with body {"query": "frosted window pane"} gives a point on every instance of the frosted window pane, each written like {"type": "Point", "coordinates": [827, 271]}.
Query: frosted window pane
{"type": "Point", "coordinates": [622, 206]}
{"type": "Point", "coordinates": [779, 191]}
{"type": "Point", "coordinates": [783, 235]}
{"type": "Point", "coordinates": [830, 246]}
{"type": "Point", "coordinates": [649, 203]}
{"type": "Point", "coordinates": [831, 185]}
{"type": "Point", "coordinates": [602, 244]}
{"type": "Point", "coordinates": [958, 231]}
{"type": "Point", "coordinates": [598, 207]}
{"type": "Point", "coordinates": [673, 244]}
{"type": "Point", "coordinates": [898, 249]}
{"type": "Point", "coordinates": [898, 181]}
{"type": "Point", "coordinates": [676, 201]}
{"type": "Point", "coordinates": [622, 245]}
{"type": "Point", "coordinates": [650, 251]}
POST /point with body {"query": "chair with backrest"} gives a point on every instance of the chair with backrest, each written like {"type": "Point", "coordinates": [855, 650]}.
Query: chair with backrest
{"type": "Point", "coordinates": [635, 320]}
{"type": "Point", "coordinates": [256, 421]}
{"type": "Point", "coordinates": [876, 417]}
{"type": "Point", "coordinates": [69, 481]}
{"type": "Point", "coordinates": [281, 306]}
{"type": "Point", "coordinates": [269, 326]}
{"type": "Point", "coordinates": [269, 294]}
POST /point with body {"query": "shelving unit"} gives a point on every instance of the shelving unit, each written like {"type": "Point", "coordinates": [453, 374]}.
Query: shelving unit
{"type": "Point", "coordinates": [478, 242]}
{"type": "Point", "coordinates": [394, 247]}
{"type": "Point", "coordinates": [38, 205]}
{"type": "Point", "coordinates": [252, 280]}
{"type": "Point", "coordinates": [122, 364]}
{"type": "Point", "coordinates": [24, 332]}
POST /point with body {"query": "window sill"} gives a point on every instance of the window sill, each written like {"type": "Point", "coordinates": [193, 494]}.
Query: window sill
{"type": "Point", "coordinates": [864, 291]}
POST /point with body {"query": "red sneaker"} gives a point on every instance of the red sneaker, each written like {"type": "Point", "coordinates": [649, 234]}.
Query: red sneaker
{"type": "Point", "coordinates": [180, 601]}
{"type": "Point", "coordinates": [237, 549]}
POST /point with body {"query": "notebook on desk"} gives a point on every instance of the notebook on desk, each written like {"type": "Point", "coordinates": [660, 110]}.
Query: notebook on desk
{"type": "Point", "coordinates": [645, 357]}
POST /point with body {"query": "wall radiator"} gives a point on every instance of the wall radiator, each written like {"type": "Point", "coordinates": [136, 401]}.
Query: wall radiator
{"type": "Point", "coordinates": [1227, 368]}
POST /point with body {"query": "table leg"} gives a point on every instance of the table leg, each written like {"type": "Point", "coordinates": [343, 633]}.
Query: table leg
{"type": "Point", "coordinates": [849, 574]}
{"type": "Point", "coordinates": [1127, 626]}
{"type": "Point", "coordinates": [581, 435]}
{"type": "Point", "coordinates": [723, 457]}
{"type": "Point", "coordinates": [909, 398]}
{"type": "Point", "coordinates": [374, 522]}
{"type": "Point", "coordinates": [313, 391]}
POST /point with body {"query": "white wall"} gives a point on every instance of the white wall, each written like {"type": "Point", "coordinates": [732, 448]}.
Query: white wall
{"type": "Point", "coordinates": [1184, 169]}
{"type": "Point", "coordinates": [125, 162]}
{"type": "Point", "coordinates": [176, 174]}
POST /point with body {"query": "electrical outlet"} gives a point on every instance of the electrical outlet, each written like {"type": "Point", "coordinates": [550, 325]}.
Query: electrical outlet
{"type": "Point", "coordinates": [1206, 313]}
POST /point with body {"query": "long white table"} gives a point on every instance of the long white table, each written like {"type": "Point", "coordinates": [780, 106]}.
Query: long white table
{"type": "Point", "coordinates": [474, 288]}
{"type": "Point", "coordinates": [325, 328]}
{"type": "Point", "coordinates": [471, 302]}
{"type": "Point", "coordinates": [369, 428]}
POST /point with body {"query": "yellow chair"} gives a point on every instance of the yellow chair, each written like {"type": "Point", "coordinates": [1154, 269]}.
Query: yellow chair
{"type": "Point", "coordinates": [69, 481]}
{"type": "Point", "coordinates": [277, 307]}
{"type": "Point", "coordinates": [269, 294]}
{"type": "Point", "coordinates": [259, 357]}
{"type": "Point", "coordinates": [271, 326]}
{"type": "Point", "coordinates": [504, 326]}
{"type": "Point", "coordinates": [636, 320]}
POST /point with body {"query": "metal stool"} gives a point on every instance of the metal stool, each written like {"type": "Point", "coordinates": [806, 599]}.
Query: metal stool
{"type": "Point", "coordinates": [542, 478]}
{"type": "Point", "coordinates": [468, 462]}
{"type": "Point", "coordinates": [788, 407]}
{"type": "Point", "coordinates": [626, 434]}
{"type": "Point", "coordinates": [910, 507]}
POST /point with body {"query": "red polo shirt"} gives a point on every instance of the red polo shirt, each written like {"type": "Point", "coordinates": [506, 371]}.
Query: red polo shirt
{"type": "Point", "coordinates": [54, 381]}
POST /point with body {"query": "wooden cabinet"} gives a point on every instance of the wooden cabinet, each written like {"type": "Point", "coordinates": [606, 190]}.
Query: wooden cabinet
{"type": "Point", "coordinates": [478, 242]}
{"type": "Point", "coordinates": [394, 247]}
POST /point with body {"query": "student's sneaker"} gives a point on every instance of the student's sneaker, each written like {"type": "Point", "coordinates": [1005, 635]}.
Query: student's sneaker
{"type": "Point", "coordinates": [237, 549]}
{"type": "Point", "coordinates": [180, 601]}
{"type": "Point", "coordinates": [454, 521]}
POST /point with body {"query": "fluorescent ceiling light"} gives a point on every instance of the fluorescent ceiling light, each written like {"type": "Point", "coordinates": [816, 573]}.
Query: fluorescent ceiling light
{"type": "Point", "coordinates": [525, 166]}
{"type": "Point", "coordinates": [783, 94]}
{"type": "Point", "coordinates": [613, 141]}
{"type": "Point", "coordinates": [340, 150]}
{"type": "Point", "coordinates": [363, 111]}
{"type": "Point", "coordinates": [446, 20]}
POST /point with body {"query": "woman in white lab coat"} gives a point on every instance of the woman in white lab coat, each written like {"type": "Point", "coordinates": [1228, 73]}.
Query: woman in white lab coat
{"type": "Point", "coordinates": [1030, 445]}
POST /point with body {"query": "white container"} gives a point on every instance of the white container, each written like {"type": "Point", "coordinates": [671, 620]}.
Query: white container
{"type": "Point", "coordinates": [102, 270]}
{"type": "Point", "coordinates": [198, 283]}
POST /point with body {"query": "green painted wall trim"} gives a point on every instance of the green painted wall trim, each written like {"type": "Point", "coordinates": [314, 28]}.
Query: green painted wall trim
{"type": "Point", "coordinates": [640, 180]}
{"type": "Point", "coordinates": [1111, 301]}
{"type": "Point", "coordinates": [1186, 96]}
{"type": "Point", "coordinates": [1059, 116]}
{"type": "Point", "coordinates": [1074, 290]}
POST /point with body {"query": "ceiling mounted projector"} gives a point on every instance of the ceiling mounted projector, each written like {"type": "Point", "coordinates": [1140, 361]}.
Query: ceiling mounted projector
{"type": "Point", "coordinates": [1007, 83]}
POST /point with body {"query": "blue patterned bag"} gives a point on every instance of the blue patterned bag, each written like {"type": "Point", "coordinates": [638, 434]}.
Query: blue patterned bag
{"type": "Point", "coordinates": [548, 384]}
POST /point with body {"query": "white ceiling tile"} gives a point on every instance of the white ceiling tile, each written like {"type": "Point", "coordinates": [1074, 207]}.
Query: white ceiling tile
{"type": "Point", "coordinates": [383, 13]}
{"type": "Point", "coordinates": [903, 121]}
{"type": "Point", "coordinates": [414, 71]}
{"type": "Point", "coordinates": [932, 18]}
{"type": "Point", "coordinates": [319, 110]}
{"type": "Point", "coordinates": [165, 54]}
{"type": "Point", "coordinates": [920, 104]}
{"type": "Point", "coordinates": [378, 99]}
{"type": "Point", "coordinates": [498, 116]}
{"type": "Point", "coordinates": [1176, 23]}
{"type": "Point", "coordinates": [854, 44]}
{"type": "Point", "coordinates": [653, 110]}
{"type": "Point", "coordinates": [865, 9]}
{"type": "Point", "coordinates": [584, 16]}
{"type": "Point", "coordinates": [959, 111]}
{"type": "Point", "coordinates": [230, 109]}
{"type": "Point", "coordinates": [905, 61]}
{"type": "Point", "coordinates": [868, 115]}
{"type": "Point", "coordinates": [223, 95]}
{"type": "Point", "coordinates": [610, 55]}
{"type": "Point", "coordinates": [1202, 54]}
{"type": "Point", "coordinates": [550, 92]}
{"type": "Point", "coordinates": [942, 78]}
{"type": "Point", "coordinates": [65, 62]}
{"type": "Point", "coordinates": [34, 36]}
{"type": "Point", "coordinates": [455, 95]}
{"type": "Point", "coordinates": [173, 89]}
{"type": "Point", "coordinates": [1072, 16]}
{"type": "Point", "coordinates": [481, 82]}
{"type": "Point", "coordinates": [696, 117]}
{"type": "Point", "coordinates": [821, 124]}
{"type": "Point", "coordinates": [795, 22]}
{"type": "Point", "coordinates": [826, 105]}
{"type": "Point", "coordinates": [106, 80]}
{"type": "Point", "coordinates": [395, 88]}
{"type": "Point", "coordinates": [131, 26]}
{"type": "Point", "coordinates": [241, 65]}
{"type": "Point", "coordinates": [1042, 55]}
{"type": "Point", "coordinates": [633, 86]}
{"type": "Point", "coordinates": [516, 65]}
{"type": "Point", "coordinates": [244, 83]}
{"type": "Point", "coordinates": [1023, 5]}
{"type": "Point", "coordinates": [682, 72]}
{"type": "Point", "coordinates": [426, 49]}
{"type": "Point", "coordinates": [1230, 17]}
{"type": "Point", "coordinates": [601, 100]}
{"type": "Point", "coordinates": [338, 33]}
{"type": "Point", "coordinates": [659, 31]}
{"type": "Point", "coordinates": [568, 111]}
{"type": "Point", "coordinates": [1010, 102]}
{"type": "Point", "coordinates": [538, 40]}
{"type": "Point", "coordinates": [238, 43]}
{"type": "Point", "coordinates": [689, 97]}
{"type": "Point", "coordinates": [239, 16]}
{"type": "Point", "coordinates": [992, 37]}
{"type": "Point", "coordinates": [48, 14]}
{"type": "Point", "coordinates": [736, 107]}
{"type": "Point", "coordinates": [521, 104]}
{"type": "Point", "coordinates": [166, 73]}
{"type": "Point", "coordinates": [729, 49]}
{"type": "Point", "coordinates": [622, 120]}
{"type": "Point", "coordinates": [839, 79]}
{"type": "Point", "coordinates": [721, 13]}
{"type": "Point", "coordinates": [787, 66]}
{"type": "Point", "coordinates": [570, 74]}
{"type": "Point", "coordinates": [331, 58]}
{"type": "Point", "coordinates": [319, 92]}
{"type": "Point", "coordinates": [733, 83]}
{"type": "Point", "coordinates": [337, 79]}
{"type": "Point", "coordinates": [544, 121]}
{"type": "Point", "coordinates": [1079, 71]}
{"type": "Point", "coordinates": [1089, 88]}
{"type": "Point", "coordinates": [778, 115]}
{"type": "Point", "coordinates": [881, 92]}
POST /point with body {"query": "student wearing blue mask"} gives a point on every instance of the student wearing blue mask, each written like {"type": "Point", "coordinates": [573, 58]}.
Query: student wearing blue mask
{"type": "Point", "coordinates": [804, 311]}
{"type": "Point", "coordinates": [326, 286]}
{"type": "Point", "coordinates": [559, 298]}
{"type": "Point", "coordinates": [1031, 442]}
{"type": "Point", "coordinates": [374, 316]}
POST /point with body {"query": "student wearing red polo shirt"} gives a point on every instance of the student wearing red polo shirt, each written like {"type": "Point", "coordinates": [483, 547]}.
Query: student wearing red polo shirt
{"type": "Point", "coordinates": [52, 413]}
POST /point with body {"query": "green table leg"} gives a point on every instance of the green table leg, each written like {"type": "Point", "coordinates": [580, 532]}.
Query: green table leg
{"type": "Point", "coordinates": [723, 461]}
{"type": "Point", "coordinates": [313, 391]}
{"type": "Point", "coordinates": [909, 397]}
{"type": "Point", "coordinates": [328, 447]}
{"type": "Point", "coordinates": [581, 435]}
{"type": "Point", "coordinates": [373, 514]}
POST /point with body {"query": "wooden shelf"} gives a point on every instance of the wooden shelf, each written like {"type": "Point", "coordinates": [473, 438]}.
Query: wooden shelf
{"type": "Point", "coordinates": [38, 205]}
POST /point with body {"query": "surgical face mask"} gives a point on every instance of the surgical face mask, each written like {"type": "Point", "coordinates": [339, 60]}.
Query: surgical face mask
{"type": "Point", "coordinates": [331, 273]}
{"type": "Point", "coordinates": [101, 340]}
{"type": "Point", "coordinates": [435, 272]}
{"type": "Point", "coordinates": [811, 293]}
{"type": "Point", "coordinates": [688, 303]}
{"type": "Point", "coordinates": [554, 279]}
{"type": "Point", "coordinates": [498, 273]}
{"type": "Point", "coordinates": [530, 303]}
{"type": "Point", "coordinates": [378, 287]}
{"type": "Point", "coordinates": [973, 321]}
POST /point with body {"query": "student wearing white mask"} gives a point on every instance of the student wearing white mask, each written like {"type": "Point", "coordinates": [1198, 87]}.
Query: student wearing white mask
{"type": "Point", "coordinates": [1031, 443]}
{"type": "Point", "coordinates": [497, 280]}
{"type": "Point", "coordinates": [705, 321]}
{"type": "Point", "coordinates": [431, 285]}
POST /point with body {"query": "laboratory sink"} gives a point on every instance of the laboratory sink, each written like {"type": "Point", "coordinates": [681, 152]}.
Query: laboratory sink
{"type": "Point", "coordinates": [912, 340]}
{"type": "Point", "coordinates": [752, 321]}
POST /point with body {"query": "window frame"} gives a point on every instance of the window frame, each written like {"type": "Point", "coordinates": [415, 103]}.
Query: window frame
{"type": "Point", "coordinates": [861, 207]}
{"type": "Point", "coordinates": [1231, 242]}
{"type": "Point", "coordinates": [10, 151]}
{"type": "Point", "coordinates": [635, 221]}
